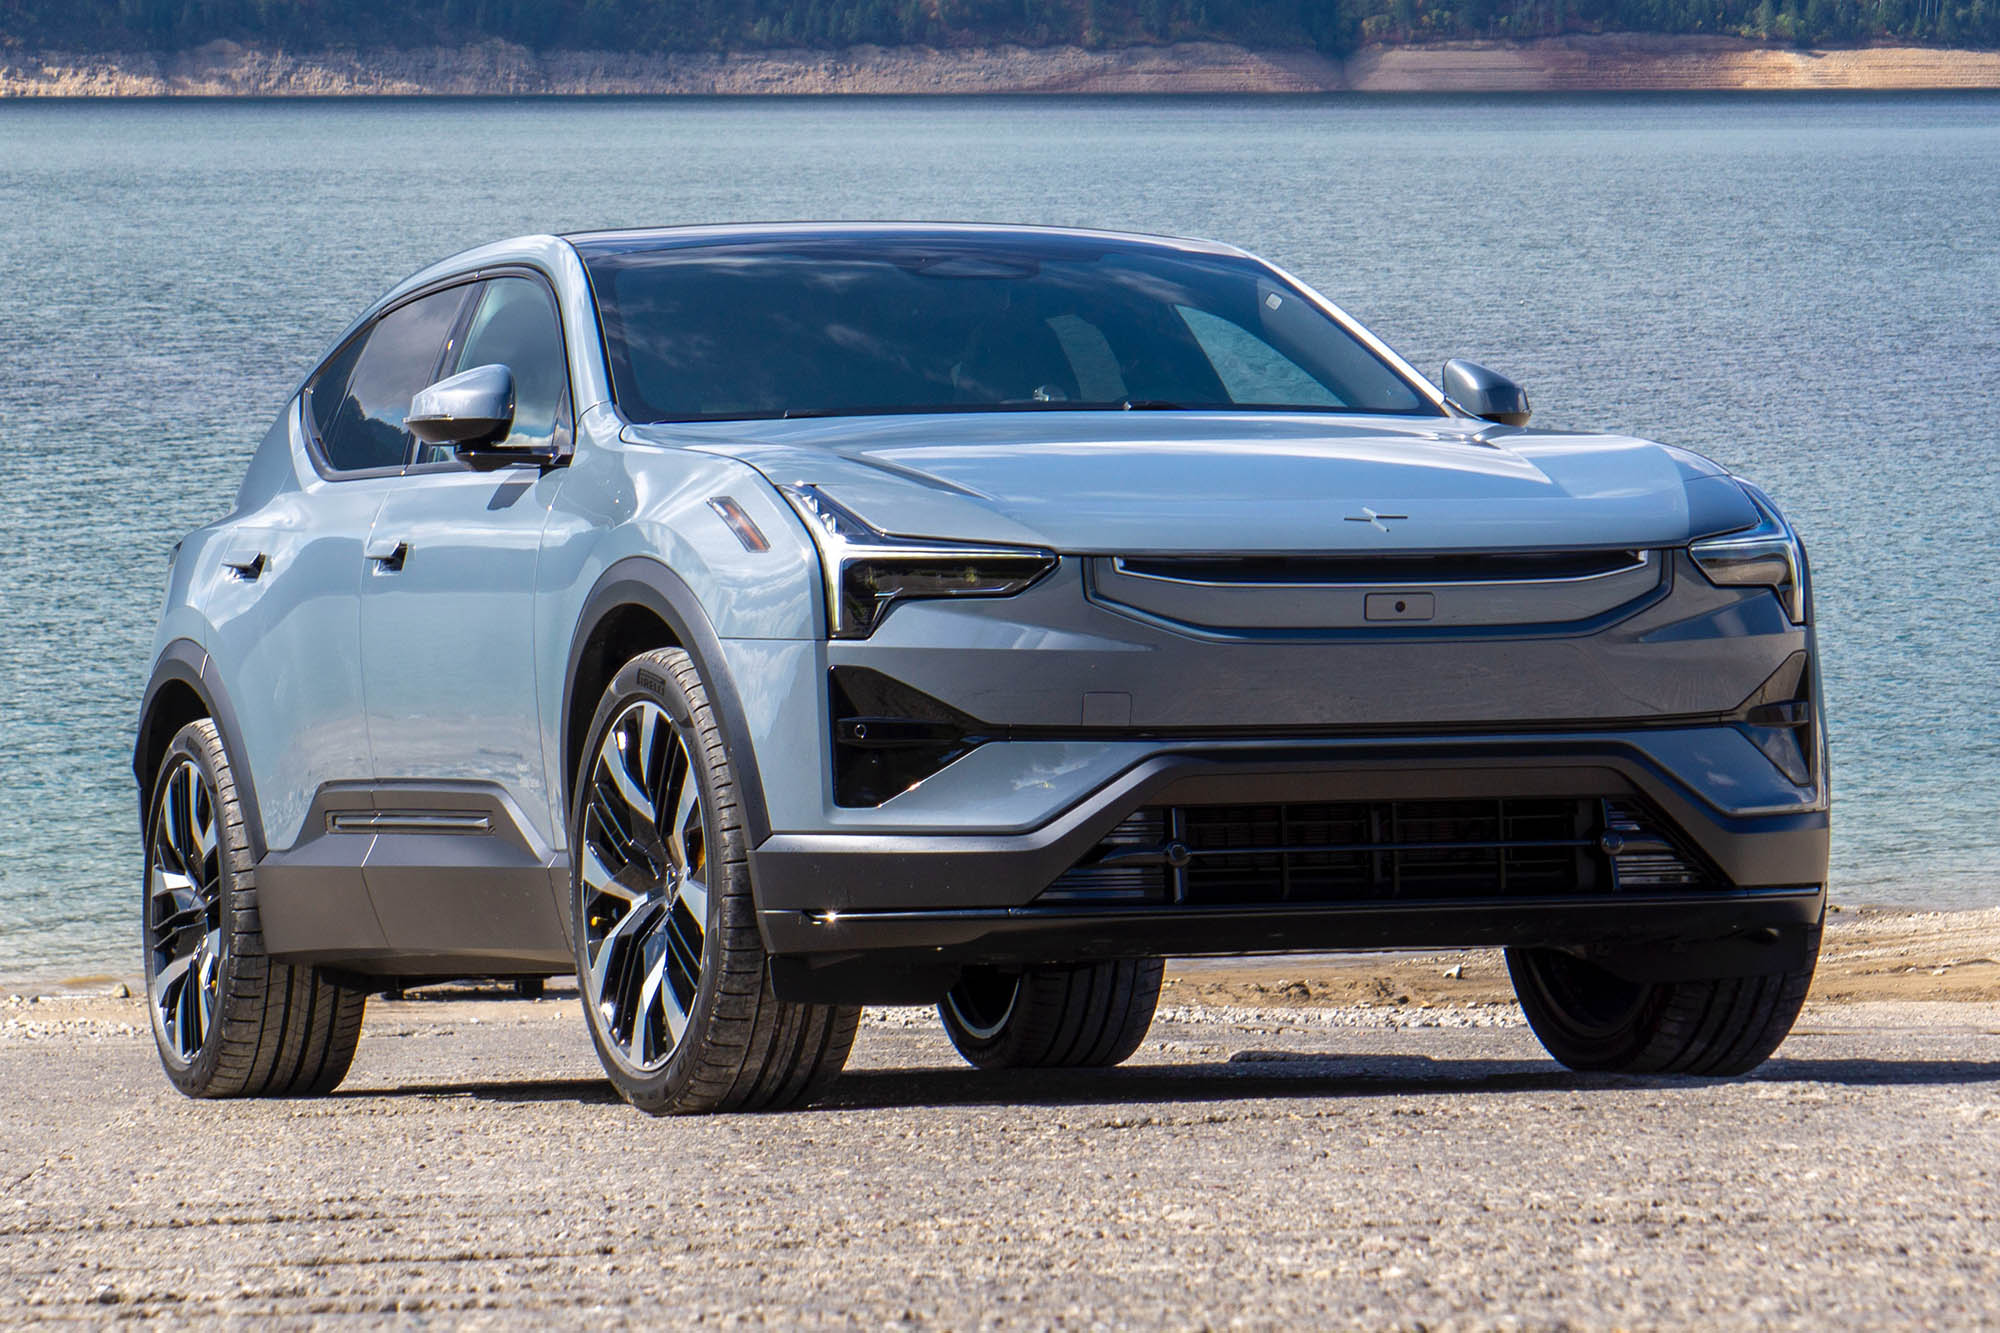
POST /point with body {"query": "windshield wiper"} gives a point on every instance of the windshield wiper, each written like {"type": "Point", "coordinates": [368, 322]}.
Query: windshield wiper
{"type": "Point", "coordinates": [1154, 405]}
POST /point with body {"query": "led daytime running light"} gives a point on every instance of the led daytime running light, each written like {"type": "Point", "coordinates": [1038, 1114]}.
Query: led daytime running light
{"type": "Point", "coordinates": [1768, 555]}
{"type": "Point", "coordinates": [868, 571]}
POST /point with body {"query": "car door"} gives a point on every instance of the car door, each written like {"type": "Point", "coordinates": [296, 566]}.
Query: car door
{"type": "Point", "coordinates": [286, 613]}
{"type": "Point", "coordinates": [464, 860]}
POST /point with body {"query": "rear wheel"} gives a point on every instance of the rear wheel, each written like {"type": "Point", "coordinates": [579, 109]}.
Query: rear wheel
{"type": "Point", "coordinates": [1088, 1014]}
{"type": "Point", "coordinates": [669, 963]}
{"type": "Point", "coordinates": [227, 1019]}
{"type": "Point", "coordinates": [1589, 1018]}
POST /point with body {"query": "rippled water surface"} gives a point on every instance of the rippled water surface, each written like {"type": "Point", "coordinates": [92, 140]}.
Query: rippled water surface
{"type": "Point", "coordinates": [1803, 287]}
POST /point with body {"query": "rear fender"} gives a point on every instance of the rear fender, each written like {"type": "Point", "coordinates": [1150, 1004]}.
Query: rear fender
{"type": "Point", "coordinates": [186, 664]}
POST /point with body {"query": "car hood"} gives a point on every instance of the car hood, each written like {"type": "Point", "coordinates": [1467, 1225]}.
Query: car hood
{"type": "Point", "coordinates": [1158, 482]}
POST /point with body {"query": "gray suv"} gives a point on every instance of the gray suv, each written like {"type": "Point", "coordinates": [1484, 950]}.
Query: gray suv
{"type": "Point", "coordinates": [759, 622]}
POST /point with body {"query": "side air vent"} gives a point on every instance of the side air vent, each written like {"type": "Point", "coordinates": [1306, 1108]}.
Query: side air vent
{"type": "Point", "coordinates": [888, 736]}
{"type": "Point", "coordinates": [1382, 851]}
{"type": "Point", "coordinates": [1778, 719]}
{"type": "Point", "coordinates": [1124, 868]}
{"type": "Point", "coordinates": [1640, 857]}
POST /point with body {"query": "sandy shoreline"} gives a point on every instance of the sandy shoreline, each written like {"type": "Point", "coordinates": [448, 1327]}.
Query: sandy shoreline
{"type": "Point", "coordinates": [1251, 1167]}
{"type": "Point", "coordinates": [1868, 954]}
{"type": "Point", "coordinates": [1315, 1142]}
{"type": "Point", "coordinates": [1605, 62]}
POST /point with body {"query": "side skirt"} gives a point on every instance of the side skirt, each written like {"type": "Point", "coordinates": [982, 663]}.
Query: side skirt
{"type": "Point", "coordinates": [417, 879]}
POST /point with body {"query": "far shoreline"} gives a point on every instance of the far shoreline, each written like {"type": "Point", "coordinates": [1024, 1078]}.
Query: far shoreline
{"type": "Point", "coordinates": [1610, 62]}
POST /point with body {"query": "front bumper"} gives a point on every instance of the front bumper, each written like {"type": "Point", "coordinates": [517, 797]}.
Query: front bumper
{"type": "Point", "coordinates": [914, 957]}
{"type": "Point", "coordinates": [1093, 721]}
{"type": "Point", "coordinates": [912, 902]}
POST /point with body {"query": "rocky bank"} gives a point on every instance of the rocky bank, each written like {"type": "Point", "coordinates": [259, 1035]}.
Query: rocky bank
{"type": "Point", "coordinates": [1566, 64]}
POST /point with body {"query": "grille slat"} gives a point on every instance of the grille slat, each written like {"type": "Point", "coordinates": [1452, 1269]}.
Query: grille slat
{"type": "Point", "coordinates": [1386, 851]}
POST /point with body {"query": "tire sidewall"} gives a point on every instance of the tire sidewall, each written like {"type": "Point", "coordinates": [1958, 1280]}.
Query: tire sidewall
{"type": "Point", "coordinates": [1574, 1042]}
{"type": "Point", "coordinates": [193, 742]}
{"type": "Point", "coordinates": [634, 683]}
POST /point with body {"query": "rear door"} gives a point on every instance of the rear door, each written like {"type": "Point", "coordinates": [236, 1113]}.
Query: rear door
{"type": "Point", "coordinates": [287, 632]}
{"type": "Point", "coordinates": [465, 866]}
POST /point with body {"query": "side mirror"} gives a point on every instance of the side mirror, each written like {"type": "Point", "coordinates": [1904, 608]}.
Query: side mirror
{"type": "Point", "coordinates": [1485, 394]}
{"type": "Point", "coordinates": [471, 410]}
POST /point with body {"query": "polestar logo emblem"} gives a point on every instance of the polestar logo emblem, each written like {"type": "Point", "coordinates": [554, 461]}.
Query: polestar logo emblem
{"type": "Point", "coordinates": [1379, 521]}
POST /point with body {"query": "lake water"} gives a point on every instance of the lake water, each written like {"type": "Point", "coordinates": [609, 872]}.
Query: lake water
{"type": "Point", "coordinates": [1805, 287]}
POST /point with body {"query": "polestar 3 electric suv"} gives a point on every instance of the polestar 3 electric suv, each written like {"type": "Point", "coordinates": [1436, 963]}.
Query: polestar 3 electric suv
{"type": "Point", "coordinates": [758, 622]}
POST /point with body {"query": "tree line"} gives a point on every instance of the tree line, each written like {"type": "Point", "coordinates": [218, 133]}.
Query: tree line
{"type": "Point", "coordinates": [1335, 27]}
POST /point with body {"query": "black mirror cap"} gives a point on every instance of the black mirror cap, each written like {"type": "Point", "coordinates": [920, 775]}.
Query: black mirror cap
{"type": "Point", "coordinates": [471, 409]}
{"type": "Point", "coordinates": [1486, 394]}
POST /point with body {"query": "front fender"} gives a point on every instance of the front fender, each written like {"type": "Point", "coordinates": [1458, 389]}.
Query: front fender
{"type": "Point", "coordinates": [638, 581]}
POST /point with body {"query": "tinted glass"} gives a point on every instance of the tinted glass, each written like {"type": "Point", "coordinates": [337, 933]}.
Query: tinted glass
{"type": "Point", "coordinates": [804, 328]}
{"type": "Point", "coordinates": [397, 357]}
{"type": "Point", "coordinates": [1251, 370]}
{"type": "Point", "coordinates": [329, 388]}
{"type": "Point", "coordinates": [515, 325]}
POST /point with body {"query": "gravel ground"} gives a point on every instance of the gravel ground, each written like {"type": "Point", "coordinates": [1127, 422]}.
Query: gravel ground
{"type": "Point", "coordinates": [1254, 1166]}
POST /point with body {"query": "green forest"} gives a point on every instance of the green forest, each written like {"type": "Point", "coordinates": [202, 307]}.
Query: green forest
{"type": "Point", "coordinates": [1335, 27]}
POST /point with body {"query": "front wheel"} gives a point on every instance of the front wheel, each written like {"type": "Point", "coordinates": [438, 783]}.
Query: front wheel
{"type": "Point", "coordinates": [1086, 1015]}
{"type": "Point", "coordinates": [669, 963]}
{"type": "Point", "coordinates": [1589, 1018]}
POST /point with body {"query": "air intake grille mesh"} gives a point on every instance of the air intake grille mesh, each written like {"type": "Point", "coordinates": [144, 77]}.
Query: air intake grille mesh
{"type": "Point", "coordinates": [1381, 851]}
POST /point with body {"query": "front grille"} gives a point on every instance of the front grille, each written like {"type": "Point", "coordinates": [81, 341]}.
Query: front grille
{"type": "Point", "coordinates": [1391, 569]}
{"type": "Point", "coordinates": [1382, 851]}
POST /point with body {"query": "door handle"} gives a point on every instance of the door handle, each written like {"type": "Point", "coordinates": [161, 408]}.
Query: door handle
{"type": "Point", "coordinates": [244, 557]}
{"type": "Point", "coordinates": [248, 568]}
{"type": "Point", "coordinates": [388, 553]}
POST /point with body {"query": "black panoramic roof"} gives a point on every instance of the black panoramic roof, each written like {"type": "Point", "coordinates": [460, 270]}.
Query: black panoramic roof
{"type": "Point", "coordinates": [888, 236]}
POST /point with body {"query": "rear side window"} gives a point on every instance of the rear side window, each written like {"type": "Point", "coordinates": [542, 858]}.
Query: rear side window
{"type": "Point", "coordinates": [329, 387]}
{"type": "Point", "coordinates": [515, 325]}
{"type": "Point", "coordinates": [360, 398]}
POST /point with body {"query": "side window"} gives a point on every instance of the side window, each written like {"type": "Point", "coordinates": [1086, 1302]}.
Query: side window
{"type": "Point", "coordinates": [515, 325]}
{"type": "Point", "coordinates": [329, 388]}
{"type": "Point", "coordinates": [1251, 370]}
{"type": "Point", "coordinates": [391, 361]}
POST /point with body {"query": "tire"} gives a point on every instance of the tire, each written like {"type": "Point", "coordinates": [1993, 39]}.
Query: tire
{"type": "Point", "coordinates": [669, 964]}
{"type": "Point", "coordinates": [228, 1020]}
{"type": "Point", "coordinates": [1589, 1019]}
{"type": "Point", "coordinates": [1088, 1015]}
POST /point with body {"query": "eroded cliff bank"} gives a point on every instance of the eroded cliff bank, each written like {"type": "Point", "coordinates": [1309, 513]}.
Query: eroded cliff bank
{"type": "Point", "coordinates": [1581, 63]}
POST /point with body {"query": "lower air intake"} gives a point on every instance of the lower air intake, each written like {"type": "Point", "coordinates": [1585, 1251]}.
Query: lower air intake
{"type": "Point", "coordinates": [1381, 851]}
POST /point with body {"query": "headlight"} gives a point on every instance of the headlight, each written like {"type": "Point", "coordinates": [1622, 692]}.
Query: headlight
{"type": "Point", "coordinates": [867, 571]}
{"type": "Point", "coordinates": [1768, 555]}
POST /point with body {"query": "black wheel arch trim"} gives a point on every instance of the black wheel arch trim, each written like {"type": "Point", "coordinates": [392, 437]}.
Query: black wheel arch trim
{"type": "Point", "coordinates": [187, 663]}
{"type": "Point", "coordinates": [647, 583]}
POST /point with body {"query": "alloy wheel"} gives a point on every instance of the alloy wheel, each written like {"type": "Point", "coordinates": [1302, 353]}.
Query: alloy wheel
{"type": "Point", "coordinates": [184, 911]}
{"type": "Point", "coordinates": [983, 1001]}
{"type": "Point", "coordinates": [644, 865]}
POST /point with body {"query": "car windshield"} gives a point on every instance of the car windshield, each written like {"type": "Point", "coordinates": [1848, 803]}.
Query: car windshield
{"type": "Point", "coordinates": [852, 328]}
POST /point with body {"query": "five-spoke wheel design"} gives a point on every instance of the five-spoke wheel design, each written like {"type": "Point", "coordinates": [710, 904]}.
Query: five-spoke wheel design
{"type": "Point", "coordinates": [183, 911]}
{"type": "Point", "coordinates": [645, 891]}
{"type": "Point", "coordinates": [675, 982]}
